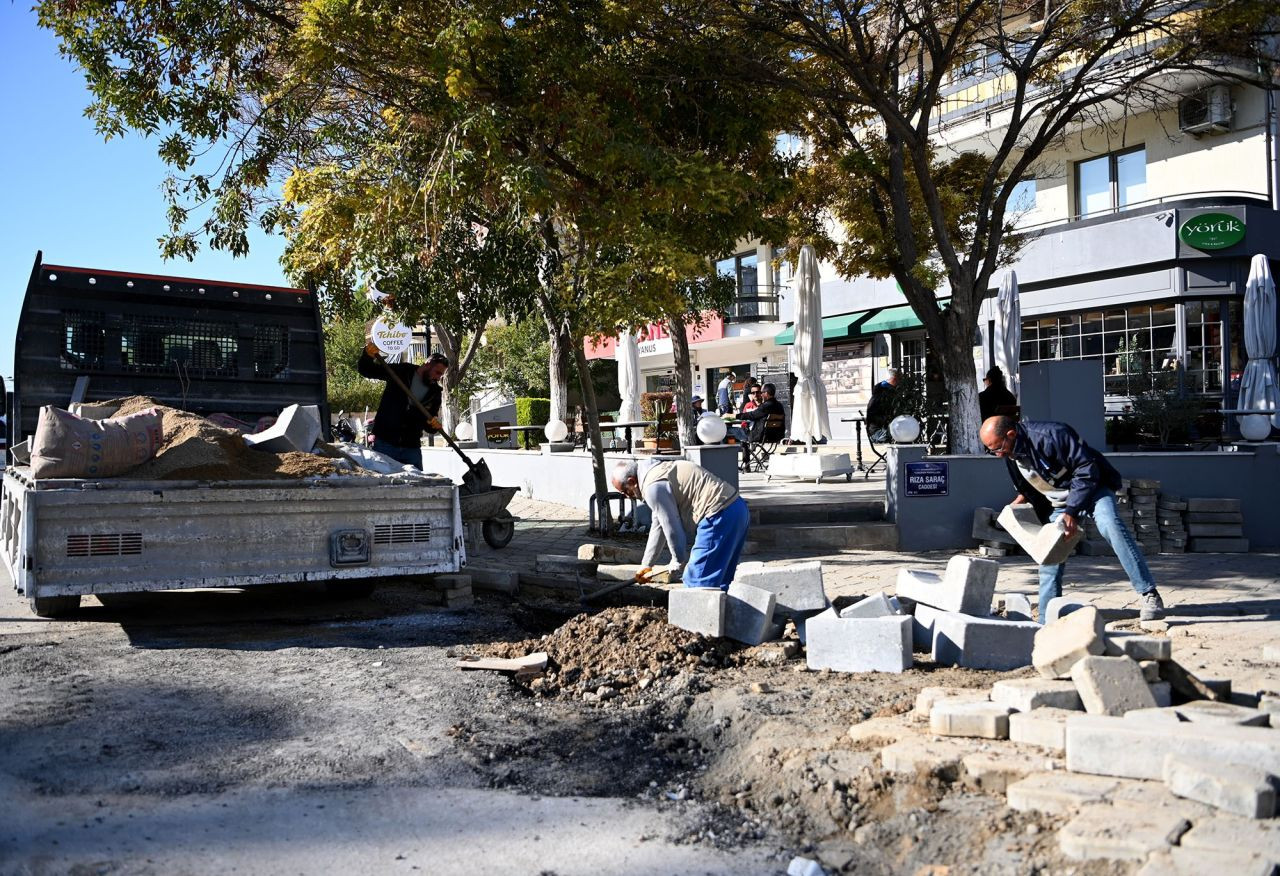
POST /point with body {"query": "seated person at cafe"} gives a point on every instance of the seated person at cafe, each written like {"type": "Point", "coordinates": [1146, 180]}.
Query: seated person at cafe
{"type": "Point", "coordinates": [758, 417]}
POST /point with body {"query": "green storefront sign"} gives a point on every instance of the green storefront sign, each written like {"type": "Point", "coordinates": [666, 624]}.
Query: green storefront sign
{"type": "Point", "coordinates": [1212, 231]}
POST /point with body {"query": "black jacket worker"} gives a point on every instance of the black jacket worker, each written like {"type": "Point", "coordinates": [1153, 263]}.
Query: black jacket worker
{"type": "Point", "coordinates": [399, 424]}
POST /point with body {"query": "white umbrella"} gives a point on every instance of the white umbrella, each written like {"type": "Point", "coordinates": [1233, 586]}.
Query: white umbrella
{"type": "Point", "coordinates": [1258, 391]}
{"type": "Point", "coordinates": [1008, 338]}
{"type": "Point", "coordinates": [809, 398]}
{"type": "Point", "coordinates": [628, 378]}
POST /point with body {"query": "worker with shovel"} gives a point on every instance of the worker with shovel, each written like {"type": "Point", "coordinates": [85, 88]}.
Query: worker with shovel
{"type": "Point", "coordinates": [400, 421]}
{"type": "Point", "coordinates": [686, 498]}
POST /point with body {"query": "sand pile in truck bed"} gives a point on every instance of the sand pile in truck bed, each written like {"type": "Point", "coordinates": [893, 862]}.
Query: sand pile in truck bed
{"type": "Point", "coordinates": [195, 449]}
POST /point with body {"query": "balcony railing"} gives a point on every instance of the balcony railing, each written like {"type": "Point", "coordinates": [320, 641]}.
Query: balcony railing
{"type": "Point", "coordinates": [757, 303]}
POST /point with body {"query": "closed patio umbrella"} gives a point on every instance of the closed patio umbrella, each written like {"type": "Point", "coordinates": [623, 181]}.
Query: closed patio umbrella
{"type": "Point", "coordinates": [628, 378]}
{"type": "Point", "coordinates": [1258, 391]}
{"type": "Point", "coordinates": [1008, 339]}
{"type": "Point", "coordinates": [809, 397]}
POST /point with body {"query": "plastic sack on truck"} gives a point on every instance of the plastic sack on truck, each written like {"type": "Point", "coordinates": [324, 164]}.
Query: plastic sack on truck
{"type": "Point", "coordinates": [67, 446]}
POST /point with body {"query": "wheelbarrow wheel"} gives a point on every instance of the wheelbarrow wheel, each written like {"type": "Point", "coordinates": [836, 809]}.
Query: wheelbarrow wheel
{"type": "Point", "coordinates": [499, 530]}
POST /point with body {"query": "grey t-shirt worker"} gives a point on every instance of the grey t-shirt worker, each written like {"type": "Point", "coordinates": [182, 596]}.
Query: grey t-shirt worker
{"type": "Point", "coordinates": [689, 503]}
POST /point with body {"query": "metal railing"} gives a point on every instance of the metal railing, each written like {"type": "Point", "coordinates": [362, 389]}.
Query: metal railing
{"type": "Point", "coordinates": [757, 303]}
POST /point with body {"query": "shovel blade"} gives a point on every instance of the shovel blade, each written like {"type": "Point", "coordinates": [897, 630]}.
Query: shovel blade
{"type": "Point", "coordinates": [477, 479]}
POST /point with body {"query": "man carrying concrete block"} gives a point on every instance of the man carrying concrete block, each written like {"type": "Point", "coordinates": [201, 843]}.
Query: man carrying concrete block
{"type": "Point", "coordinates": [688, 502]}
{"type": "Point", "coordinates": [1063, 477]}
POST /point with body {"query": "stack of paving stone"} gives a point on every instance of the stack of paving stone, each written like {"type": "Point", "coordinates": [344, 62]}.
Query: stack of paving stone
{"type": "Point", "coordinates": [1216, 526]}
{"type": "Point", "coordinates": [452, 591]}
{"type": "Point", "coordinates": [993, 540]}
{"type": "Point", "coordinates": [1094, 545]}
{"type": "Point", "coordinates": [1144, 494]}
{"type": "Point", "coordinates": [1173, 529]}
{"type": "Point", "coordinates": [952, 619]}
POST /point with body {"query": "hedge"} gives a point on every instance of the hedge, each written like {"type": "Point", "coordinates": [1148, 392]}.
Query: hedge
{"type": "Point", "coordinates": [532, 412]}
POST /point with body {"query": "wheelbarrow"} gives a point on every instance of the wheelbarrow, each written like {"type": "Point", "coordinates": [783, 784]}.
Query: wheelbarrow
{"type": "Point", "coordinates": [491, 507]}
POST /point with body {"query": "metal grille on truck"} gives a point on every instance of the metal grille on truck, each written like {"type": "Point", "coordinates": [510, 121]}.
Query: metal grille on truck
{"type": "Point", "coordinates": [160, 344]}
{"type": "Point", "coordinates": [84, 340]}
{"type": "Point", "coordinates": [104, 544]}
{"type": "Point", "coordinates": [401, 533]}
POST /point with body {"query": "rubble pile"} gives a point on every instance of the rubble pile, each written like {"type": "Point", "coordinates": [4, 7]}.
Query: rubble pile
{"type": "Point", "coordinates": [195, 448]}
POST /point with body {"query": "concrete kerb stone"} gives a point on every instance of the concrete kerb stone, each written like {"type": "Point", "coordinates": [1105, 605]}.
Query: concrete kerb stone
{"type": "Point", "coordinates": [498, 580]}
{"type": "Point", "coordinates": [967, 586]}
{"type": "Point", "coordinates": [698, 610]}
{"type": "Point", "coordinates": [1111, 685]}
{"type": "Point", "coordinates": [983, 643]}
{"type": "Point", "coordinates": [923, 620]}
{"type": "Point", "coordinates": [977, 719]}
{"type": "Point", "coordinates": [1120, 833]}
{"type": "Point", "coordinates": [879, 644]}
{"type": "Point", "coordinates": [1236, 788]}
{"type": "Point", "coordinates": [1046, 728]}
{"type": "Point", "coordinates": [1111, 746]}
{"type": "Point", "coordinates": [748, 613]}
{"type": "Point", "coordinates": [798, 586]}
{"type": "Point", "coordinates": [1059, 645]}
{"type": "Point", "coordinates": [1025, 694]}
{"type": "Point", "coordinates": [939, 756]}
{"type": "Point", "coordinates": [1209, 712]}
{"type": "Point", "coordinates": [992, 772]}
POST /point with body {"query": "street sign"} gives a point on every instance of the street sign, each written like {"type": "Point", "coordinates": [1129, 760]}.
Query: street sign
{"type": "Point", "coordinates": [927, 479]}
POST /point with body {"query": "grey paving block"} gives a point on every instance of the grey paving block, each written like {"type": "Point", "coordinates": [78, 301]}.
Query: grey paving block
{"type": "Point", "coordinates": [1218, 506]}
{"type": "Point", "coordinates": [1138, 647]}
{"type": "Point", "coordinates": [1228, 833]}
{"type": "Point", "coordinates": [296, 429]}
{"type": "Point", "coordinates": [983, 643]}
{"type": "Point", "coordinates": [926, 698]}
{"type": "Point", "coordinates": [1215, 530]}
{"type": "Point", "coordinates": [748, 613]}
{"type": "Point", "coordinates": [880, 644]}
{"type": "Point", "coordinates": [1129, 833]}
{"type": "Point", "coordinates": [697, 609]}
{"type": "Point", "coordinates": [1181, 861]}
{"type": "Point", "coordinates": [1061, 606]}
{"type": "Point", "coordinates": [1017, 607]}
{"type": "Point", "coordinates": [1044, 727]}
{"type": "Point", "coordinates": [1110, 746]}
{"type": "Point", "coordinates": [1236, 788]}
{"type": "Point", "coordinates": [1209, 712]}
{"type": "Point", "coordinates": [1218, 545]}
{"type": "Point", "coordinates": [1025, 694]}
{"type": "Point", "coordinates": [563, 564]}
{"type": "Point", "coordinates": [924, 619]}
{"type": "Point", "coordinates": [1047, 544]}
{"type": "Point", "coordinates": [1111, 685]}
{"type": "Point", "coordinates": [1057, 793]}
{"type": "Point", "coordinates": [1059, 645]}
{"type": "Point", "coordinates": [981, 720]}
{"type": "Point", "coordinates": [876, 605]}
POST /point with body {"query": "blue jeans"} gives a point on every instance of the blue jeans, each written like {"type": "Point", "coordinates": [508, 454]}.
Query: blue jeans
{"type": "Point", "coordinates": [1102, 508]}
{"type": "Point", "coordinates": [407, 455]}
{"type": "Point", "coordinates": [713, 559]}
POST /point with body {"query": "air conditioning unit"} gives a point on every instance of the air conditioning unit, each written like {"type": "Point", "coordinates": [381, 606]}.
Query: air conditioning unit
{"type": "Point", "coordinates": [1206, 112]}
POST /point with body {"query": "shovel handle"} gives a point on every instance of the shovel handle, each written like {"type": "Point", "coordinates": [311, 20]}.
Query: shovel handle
{"type": "Point", "coordinates": [426, 413]}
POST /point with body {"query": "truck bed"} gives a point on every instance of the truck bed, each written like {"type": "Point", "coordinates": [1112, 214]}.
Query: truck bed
{"type": "Point", "coordinates": [79, 537]}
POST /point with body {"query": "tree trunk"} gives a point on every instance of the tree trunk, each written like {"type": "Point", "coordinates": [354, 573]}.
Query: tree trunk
{"type": "Point", "coordinates": [955, 350]}
{"type": "Point", "coordinates": [684, 381]}
{"type": "Point", "coordinates": [562, 349]}
{"type": "Point", "coordinates": [591, 420]}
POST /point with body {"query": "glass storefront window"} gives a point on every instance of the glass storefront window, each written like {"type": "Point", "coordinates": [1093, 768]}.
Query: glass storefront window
{"type": "Point", "coordinates": [1139, 339]}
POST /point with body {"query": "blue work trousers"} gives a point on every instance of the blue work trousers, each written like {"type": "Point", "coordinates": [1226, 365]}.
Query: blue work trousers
{"type": "Point", "coordinates": [713, 559]}
{"type": "Point", "coordinates": [1102, 508]}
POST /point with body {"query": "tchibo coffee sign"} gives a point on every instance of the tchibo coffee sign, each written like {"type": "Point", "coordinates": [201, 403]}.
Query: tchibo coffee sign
{"type": "Point", "coordinates": [1212, 231]}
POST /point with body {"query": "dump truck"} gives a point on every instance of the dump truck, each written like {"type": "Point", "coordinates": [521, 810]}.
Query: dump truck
{"type": "Point", "coordinates": [206, 347]}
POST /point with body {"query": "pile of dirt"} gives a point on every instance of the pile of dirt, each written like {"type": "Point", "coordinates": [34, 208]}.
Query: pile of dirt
{"type": "Point", "coordinates": [618, 652]}
{"type": "Point", "coordinates": [195, 449]}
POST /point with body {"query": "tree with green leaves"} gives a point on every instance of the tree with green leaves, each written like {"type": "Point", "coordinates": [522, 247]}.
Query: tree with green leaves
{"type": "Point", "coordinates": [372, 130]}
{"type": "Point", "coordinates": [873, 84]}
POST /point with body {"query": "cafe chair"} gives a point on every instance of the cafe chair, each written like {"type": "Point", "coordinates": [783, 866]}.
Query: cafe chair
{"type": "Point", "coordinates": [758, 452]}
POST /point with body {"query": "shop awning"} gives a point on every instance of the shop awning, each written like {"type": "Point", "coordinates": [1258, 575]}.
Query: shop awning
{"type": "Point", "coordinates": [833, 327]}
{"type": "Point", "coordinates": [891, 319]}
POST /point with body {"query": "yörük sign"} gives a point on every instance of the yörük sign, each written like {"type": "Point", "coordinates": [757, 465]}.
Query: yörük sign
{"type": "Point", "coordinates": [927, 479]}
{"type": "Point", "coordinates": [1212, 231]}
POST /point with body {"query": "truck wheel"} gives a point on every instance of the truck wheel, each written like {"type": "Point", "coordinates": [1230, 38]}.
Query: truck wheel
{"type": "Point", "coordinates": [499, 530]}
{"type": "Point", "coordinates": [350, 589]}
{"type": "Point", "coordinates": [55, 606]}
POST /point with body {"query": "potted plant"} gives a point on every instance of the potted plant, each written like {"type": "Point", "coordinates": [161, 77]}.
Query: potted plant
{"type": "Point", "coordinates": [657, 406]}
{"type": "Point", "coordinates": [1162, 414]}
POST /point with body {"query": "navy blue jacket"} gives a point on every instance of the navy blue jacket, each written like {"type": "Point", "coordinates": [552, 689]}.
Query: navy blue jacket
{"type": "Point", "coordinates": [1063, 459]}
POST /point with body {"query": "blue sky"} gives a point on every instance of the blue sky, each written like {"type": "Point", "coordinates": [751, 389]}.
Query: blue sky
{"type": "Point", "coordinates": [83, 201]}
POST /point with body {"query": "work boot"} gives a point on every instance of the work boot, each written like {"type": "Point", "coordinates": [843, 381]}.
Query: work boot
{"type": "Point", "coordinates": [1152, 606]}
